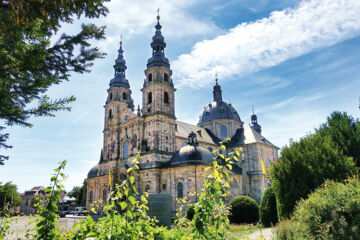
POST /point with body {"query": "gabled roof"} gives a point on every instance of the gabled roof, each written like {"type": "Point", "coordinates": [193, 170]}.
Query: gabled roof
{"type": "Point", "coordinates": [183, 130]}
{"type": "Point", "coordinates": [252, 136]}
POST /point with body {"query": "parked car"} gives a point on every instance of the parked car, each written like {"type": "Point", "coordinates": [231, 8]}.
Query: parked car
{"type": "Point", "coordinates": [79, 210]}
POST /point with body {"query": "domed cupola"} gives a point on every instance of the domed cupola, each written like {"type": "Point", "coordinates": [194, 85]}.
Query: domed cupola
{"type": "Point", "coordinates": [218, 109]}
{"type": "Point", "coordinates": [254, 123]}
{"type": "Point", "coordinates": [192, 154]}
{"type": "Point", "coordinates": [119, 79]}
{"type": "Point", "coordinates": [158, 45]}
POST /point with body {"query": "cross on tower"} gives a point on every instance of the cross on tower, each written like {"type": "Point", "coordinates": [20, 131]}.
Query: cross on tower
{"type": "Point", "coordinates": [158, 14]}
{"type": "Point", "coordinates": [121, 39]}
{"type": "Point", "coordinates": [216, 78]}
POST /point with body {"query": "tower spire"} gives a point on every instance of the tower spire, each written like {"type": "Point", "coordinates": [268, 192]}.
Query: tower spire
{"type": "Point", "coordinates": [217, 90]}
{"type": "Point", "coordinates": [119, 79]}
{"type": "Point", "coordinates": [158, 46]}
{"type": "Point", "coordinates": [254, 123]}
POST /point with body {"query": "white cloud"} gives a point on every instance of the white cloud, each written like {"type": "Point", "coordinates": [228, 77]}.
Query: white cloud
{"type": "Point", "coordinates": [250, 47]}
{"type": "Point", "coordinates": [137, 17]}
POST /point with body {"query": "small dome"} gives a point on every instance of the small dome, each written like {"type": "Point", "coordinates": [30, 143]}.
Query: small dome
{"type": "Point", "coordinates": [192, 154]}
{"type": "Point", "coordinates": [93, 172]}
{"type": "Point", "coordinates": [219, 110]}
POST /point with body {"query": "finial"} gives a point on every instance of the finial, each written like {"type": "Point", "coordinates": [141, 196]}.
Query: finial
{"type": "Point", "coordinates": [158, 14]}
{"type": "Point", "coordinates": [121, 40]}
{"type": "Point", "coordinates": [253, 109]}
{"type": "Point", "coordinates": [216, 78]}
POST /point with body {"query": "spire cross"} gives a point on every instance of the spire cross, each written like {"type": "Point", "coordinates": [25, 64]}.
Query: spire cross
{"type": "Point", "coordinates": [158, 14]}
{"type": "Point", "coordinates": [216, 78]}
{"type": "Point", "coordinates": [121, 40]}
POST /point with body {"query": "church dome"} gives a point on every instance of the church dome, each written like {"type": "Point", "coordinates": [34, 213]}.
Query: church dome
{"type": "Point", "coordinates": [192, 154]}
{"type": "Point", "coordinates": [218, 109]}
{"type": "Point", "coordinates": [93, 172]}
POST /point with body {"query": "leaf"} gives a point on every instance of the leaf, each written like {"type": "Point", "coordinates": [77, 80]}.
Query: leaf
{"type": "Point", "coordinates": [123, 205]}
{"type": "Point", "coordinates": [132, 199]}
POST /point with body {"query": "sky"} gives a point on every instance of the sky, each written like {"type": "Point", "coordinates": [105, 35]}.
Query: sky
{"type": "Point", "coordinates": [295, 61]}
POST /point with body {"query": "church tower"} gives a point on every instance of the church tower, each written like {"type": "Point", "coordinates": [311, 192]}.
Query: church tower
{"type": "Point", "coordinates": [119, 97]}
{"type": "Point", "coordinates": [158, 93]}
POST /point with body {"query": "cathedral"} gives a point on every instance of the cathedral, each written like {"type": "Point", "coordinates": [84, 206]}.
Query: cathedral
{"type": "Point", "coordinates": [174, 154]}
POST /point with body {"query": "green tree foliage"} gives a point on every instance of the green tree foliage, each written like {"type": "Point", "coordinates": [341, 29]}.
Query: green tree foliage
{"type": "Point", "coordinates": [36, 203]}
{"type": "Point", "coordinates": [77, 193]}
{"type": "Point", "coordinates": [304, 166]}
{"type": "Point", "coordinates": [331, 212]}
{"type": "Point", "coordinates": [267, 208]}
{"type": "Point", "coordinates": [345, 132]}
{"type": "Point", "coordinates": [31, 61]}
{"type": "Point", "coordinates": [9, 196]}
{"type": "Point", "coordinates": [243, 209]}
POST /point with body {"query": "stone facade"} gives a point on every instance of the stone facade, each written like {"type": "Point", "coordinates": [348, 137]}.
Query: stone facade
{"type": "Point", "coordinates": [167, 162]}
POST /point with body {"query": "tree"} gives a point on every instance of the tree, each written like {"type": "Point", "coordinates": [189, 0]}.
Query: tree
{"type": "Point", "coordinates": [345, 132]}
{"type": "Point", "coordinates": [267, 209]}
{"type": "Point", "coordinates": [77, 192]}
{"type": "Point", "coordinates": [304, 166]}
{"type": "Point", "coordinates": [9, 195]}
{"type": "Point", "coordinates": [30, 62]}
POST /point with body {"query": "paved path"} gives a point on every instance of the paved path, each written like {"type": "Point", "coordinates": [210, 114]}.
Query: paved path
{"type": "Point", "coordinates": [266, 233]}
{"type": "Point", "coordinates": [20, 224]}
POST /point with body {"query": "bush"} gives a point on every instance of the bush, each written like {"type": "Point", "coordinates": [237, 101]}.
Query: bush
{"type": "Point", "coordinates": [244, 209]}
{"type": "Point", "coordinates": [303, 167]}
{"type": "Point", "coordinates": [190, 211]}
{"type": "Point", "coordinates": [331, 212]}
{"type": "Point", "coordinates": [267, 208]}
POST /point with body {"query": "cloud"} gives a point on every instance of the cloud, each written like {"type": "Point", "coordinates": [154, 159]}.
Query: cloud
{"type": "Point", "coordinates": [137, 17]}
{"type": "Point", "coordinates": [253, 46]}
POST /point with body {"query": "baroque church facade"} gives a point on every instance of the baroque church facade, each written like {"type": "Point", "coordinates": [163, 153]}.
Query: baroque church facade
{"type": "Point", "coordinates": [174, 154]}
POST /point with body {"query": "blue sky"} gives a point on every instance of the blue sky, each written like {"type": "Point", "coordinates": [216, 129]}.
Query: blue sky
{"type": "Point", "coordinates": [295, 61]}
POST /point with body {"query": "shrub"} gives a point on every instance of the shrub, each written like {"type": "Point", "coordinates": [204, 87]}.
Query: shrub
{"type": "Point", "coordinates": [331, 212]}
{"type": "Point", "coordinates": [190, 211]}
{"type": "Point", "coordinates": [244, 209]}
{"type": "Point", "coordinates": [304, 166]}
{"type": "Point", "coordinates": [267, 208]}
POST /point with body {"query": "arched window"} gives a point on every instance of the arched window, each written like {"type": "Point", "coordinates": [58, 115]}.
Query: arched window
{"type": "Point", "coordinates": [91, 197]}
{"type": "Point", "coordinates": [147, 188]}
{"type": "Point", "coordinates": [124, 96]}
{"type": "Point", "coordinates": [125, 149]}
{"type": "Point", "coordinates": [149, 97]}
{"type": "Point", "coordinates": [126, 118]}
{"type": "Point", "coordinates": [166, 77]}
{"type": "Point", "coordinates": [111, 96]}
{"type": "Point", "coordinates": [150, 77]}
{"type": "Point", "coordinates": [234, 184]}
{"type": "Point", "coordinates": [110, 114]}
{"type": "Point", "coordinates": [164, 186]}
{"type": "Point", "coordinates": [104, 196]}
{"type": "Point", "coordinates": [223, 132]}
{"type": "Point", "coordinates": [180, 191]}
{"type": "Point", "coordinates": [166, 97]}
